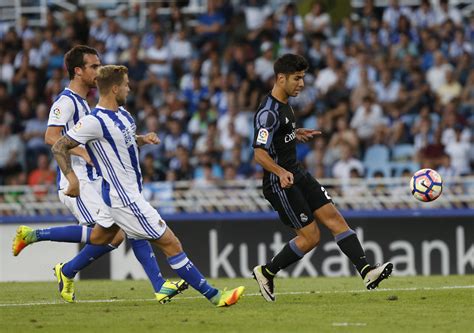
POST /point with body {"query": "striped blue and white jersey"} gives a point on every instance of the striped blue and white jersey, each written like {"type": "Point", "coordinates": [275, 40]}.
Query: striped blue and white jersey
{"type": "Point", "coordinates": [65, 112]}
{"type": "Point", "coordinates": [109, 137]}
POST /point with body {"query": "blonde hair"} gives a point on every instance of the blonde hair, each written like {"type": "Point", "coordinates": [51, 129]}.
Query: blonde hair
{"type": "Point", "coordinates": [109, 76]}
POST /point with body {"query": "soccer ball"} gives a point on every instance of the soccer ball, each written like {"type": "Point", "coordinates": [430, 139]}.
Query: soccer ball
{"type": "Point", "coordinates": [426, 185]}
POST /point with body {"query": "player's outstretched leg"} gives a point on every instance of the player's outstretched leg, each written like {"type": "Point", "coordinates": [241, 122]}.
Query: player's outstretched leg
{"type": "Point", "coordinates": [180, 263]}
{"type": "Point", "coordinates": [164, 290]}
{"type": "Point", "coordinates": [349, 244]}
{"type": "Point", "coordinates": [286, 257]}
{"type": "Point", "coordinates": [377, 274]}
{"type": "Point", "coordinates": [72, 234]}
{"type": "Point", "coordinates": [188, 272]}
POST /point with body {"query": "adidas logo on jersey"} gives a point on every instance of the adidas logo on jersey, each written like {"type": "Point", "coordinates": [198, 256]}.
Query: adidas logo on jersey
{"type": "Point", "coordinates": [287, 120]}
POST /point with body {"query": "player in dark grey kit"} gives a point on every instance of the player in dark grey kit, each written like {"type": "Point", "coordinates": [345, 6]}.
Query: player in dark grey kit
{"type": "Point", "coordinates": [298, 198]}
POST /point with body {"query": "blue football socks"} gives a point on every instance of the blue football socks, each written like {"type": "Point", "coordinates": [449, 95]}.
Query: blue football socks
{"type": "Point", "coordinates": [84, 258]}
{"type": "Point", "coordinates": [68, 234]}
{"type": "Point", "coordinates": [145, 255]}
{"type": "Point", "coordinates": [189, 273]}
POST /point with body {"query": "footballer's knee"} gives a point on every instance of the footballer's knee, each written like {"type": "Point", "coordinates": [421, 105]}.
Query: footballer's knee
{"type": "Point", "coordinates": [310, 242]}
{"type": "Point", "coordinates": [169, 243]}
{"type": "Point", "coordinates": [103, 236]}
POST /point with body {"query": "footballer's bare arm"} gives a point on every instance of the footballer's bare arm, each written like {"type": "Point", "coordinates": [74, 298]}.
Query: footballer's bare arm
{"type": "Point", "coordinates": [53, 134]}
{"type": "Point", "coordinates": [61, 153]}
{"type": "Point", "coordinates": [63, 157]}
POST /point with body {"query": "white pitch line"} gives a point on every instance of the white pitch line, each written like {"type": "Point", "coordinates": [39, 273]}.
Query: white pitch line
{"type": "Point", "coordinates": [247, 295]}
{"type": "Point", "coordinates": [349, 324]}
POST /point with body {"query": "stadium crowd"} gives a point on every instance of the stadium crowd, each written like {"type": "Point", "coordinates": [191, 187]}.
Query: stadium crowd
{"type": "Point", "coordinates": [392, 88]}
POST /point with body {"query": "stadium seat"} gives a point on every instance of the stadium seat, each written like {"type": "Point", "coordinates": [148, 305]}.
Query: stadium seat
{"type": "Point", "coordinates": [383, 168]}
{"type": "Point", "coordinates": [399, 167]}
{"type": "Point", "coordinates": [403, 152]}
{"type": "Point", "coordinates": [376, 155]}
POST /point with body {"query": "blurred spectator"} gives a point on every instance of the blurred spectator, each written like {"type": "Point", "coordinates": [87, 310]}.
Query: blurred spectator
{"type": "Point", "coordinates": [450, 90]}
{"type": "Point", "coordinates": [446, 170]}
{"type": "Point", "coordinates": [181, 164]}
{"type": "Point", "coordinates": [342, 168]}
{"type": "Point", "coordinates": [255, 14]}
{"type": "Point", "coordinates": [151, 171]}
{"type": "Point", "coordinates": [115, 43]}
{"type": "Point", "coordinates": [251, 89]}
{"type": "Point", "coordinates": [446, 12]}
{"type": "Point", "coordinates": [290, 20]}
{"type": "Point", "coordinates": [436, 75]}
{"type": "Point", "coordinates": [327, 76]}
{"type": "Point", "coordinates": [158, 58]}
{"type": "Point", "coordinates": [136, 72]}
{"type": "Point", "coordinates": [33, 134]}
{"type": "Point", "coordinates": [175, 137]}
{"type": "Point", "coordinates": [366, 119]}
{"type": "Point", "coordinates": [431, 151]}
{"type": "Point", "coordinates": [7, 70]}
{"type": "Point", "coordinates": [42, 175]}
{"type": "Point", "coordinates": [81, 26]}
{"type": "Point", "coordinates": [23, 30]}
{"type": "Point", "coordinates": [208, 143]}
{"type": "Point", "coordinates": [237, 118]}
{"type": "Point", "coordinates": [459, 45]}
{"type": "Point", "coordinates": [450, 124]}
{"type": "Point", "coordinates": [12, 156]}
{"type": "Point", "coordinates": [314, 160]}
{"type": "Point", "coordinates": [128, 23]}
{"type": "Point", "coordinates": [181, 48]}
{"type": "Point", "coordinates": [358, 189]}
{"type": "Point", "coordinates": [264, 64]}
{"type": "Point", "coordinates": [459, 150]}
{"type": "Point", "coordinates": [317, 20]}
{"type": "Point", "coordinates": [364, 88]}
{"type": "Point", "coordinates": [393, 12]}
{"type": "Point", "coordinates": [354, 74]}
{"type": "Point", "coordinates": [387, 89]}
{"type": "Point", "coordinates": [467, 96]}
{"type": "Point", "coordinates": [152, 124]}
{"type": "Point", "coordinates": [210, 25]}
{"type": "Point", "coordinates": [99, 26]}
{"type": "Point", "coordinates": [424, 16]}
{"type": "Point", "coordinates": [202, 118]}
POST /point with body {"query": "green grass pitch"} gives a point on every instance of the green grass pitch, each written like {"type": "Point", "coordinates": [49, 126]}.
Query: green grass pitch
{"type": "Point", "coordinates": [404, 304]}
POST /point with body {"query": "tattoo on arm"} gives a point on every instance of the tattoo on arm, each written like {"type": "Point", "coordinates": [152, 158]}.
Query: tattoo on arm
{"type": "Point", "coordinates": [61, 153]}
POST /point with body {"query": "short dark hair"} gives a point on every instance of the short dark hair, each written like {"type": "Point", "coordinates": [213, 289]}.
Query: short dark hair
{"type": "Point", "coordinates": [75, 58]}
{"type": "Point", "coordinates": [290, 63]}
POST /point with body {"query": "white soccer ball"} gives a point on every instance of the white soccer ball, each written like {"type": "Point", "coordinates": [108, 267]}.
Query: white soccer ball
{"type": "Point", "coordinates": [426, 185]}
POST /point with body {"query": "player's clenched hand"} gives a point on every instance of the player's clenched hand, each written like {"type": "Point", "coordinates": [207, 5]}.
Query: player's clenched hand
{"type": "Point", "coordinates": [306, 134]}
{"type": "Point", "coordinates": [73, 187]}
{"type": "Point", "coordinates": [286, 179]}
{"type": "Point", "coordinates": [151, 138]}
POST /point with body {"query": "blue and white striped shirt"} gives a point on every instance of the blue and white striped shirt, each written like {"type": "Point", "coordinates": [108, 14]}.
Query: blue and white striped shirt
{"type": "Point", "coordinates": [109, 137]}
{"type": "Point", "coordinates": [65, 112]}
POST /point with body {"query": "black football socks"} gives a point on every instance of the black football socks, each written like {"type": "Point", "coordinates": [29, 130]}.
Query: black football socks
{"type": "Point", "coordinates": [287, 256]}
{"type": "Point", "coordinates": [350, 245]}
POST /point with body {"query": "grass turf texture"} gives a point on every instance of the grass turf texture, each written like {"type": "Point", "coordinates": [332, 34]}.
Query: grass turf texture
{"type": "Point", "coordinates": [410, 304]}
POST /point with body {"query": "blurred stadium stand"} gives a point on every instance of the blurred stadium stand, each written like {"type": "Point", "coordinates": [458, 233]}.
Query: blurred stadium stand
{"type": "Point", "coordinates": [393, 86]}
